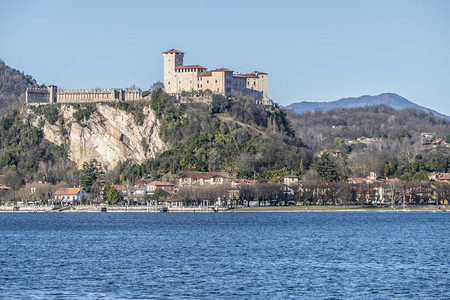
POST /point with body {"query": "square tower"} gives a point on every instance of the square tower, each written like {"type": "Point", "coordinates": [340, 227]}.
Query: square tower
{"type": "Point", "coordinates": [172, 59]}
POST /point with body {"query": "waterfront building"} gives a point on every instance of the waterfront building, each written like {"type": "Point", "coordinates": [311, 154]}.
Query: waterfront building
{"type": "Point", "coordinates": [165, 186]}
{"type": "Point", "coordinates": [69, 195]}
{"type": "Point", "coordinates": [201, 178]}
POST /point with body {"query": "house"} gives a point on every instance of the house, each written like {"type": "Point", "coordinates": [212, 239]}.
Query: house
{"type": "Point", "coordinates": [201, 178]}
{"type": "Point", "coordinates": [288, 192]}
{"type": "Point", "coordinates": [243, 182]}
{"type": "Point", "coordinates": [4, 188]}
{"type": "Point", "coordinates": [290, 180]}
{"type": "Point", "coordinates": [139, 189]}
{"type": "Point", "coordinates": [438, 141]}
{"type": "Point", "coordinates": [165, 186]}
{"type": "Point", "coordinates": [434, 176]}
{"type": "Point", "coordinates": [69, 195]}
{"type": "Point", "coordinates": [426, 137]}
{"type": "Point", "coordinates": [444, 179]}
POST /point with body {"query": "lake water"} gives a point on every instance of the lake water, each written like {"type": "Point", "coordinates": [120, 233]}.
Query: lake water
{"type": "Point", "coordinates": [226, 255]}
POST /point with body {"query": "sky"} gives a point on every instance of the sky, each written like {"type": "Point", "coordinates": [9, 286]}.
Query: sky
{"type": "Point", "coordinates": [312, 50]}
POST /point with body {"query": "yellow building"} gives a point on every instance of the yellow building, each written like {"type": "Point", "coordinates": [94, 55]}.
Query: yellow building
{"type": "Point", "coordinates": [179, 78]}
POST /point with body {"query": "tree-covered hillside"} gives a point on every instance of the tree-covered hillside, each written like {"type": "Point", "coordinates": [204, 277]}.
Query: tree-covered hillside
{"type": "Point", "coordinates": [234, 136]}
{"type": "Point", "coordinates": [319, 130]}
{"type": "Point", "coordinates": [394, 148]}
{"type": "Point", "coordinates": [13, 83]}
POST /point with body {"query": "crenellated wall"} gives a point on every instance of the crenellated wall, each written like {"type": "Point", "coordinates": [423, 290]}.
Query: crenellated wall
{"type": "Point", "coordinates": [52, 95]}
{"type": "Point", "coordinates": [37, 95]}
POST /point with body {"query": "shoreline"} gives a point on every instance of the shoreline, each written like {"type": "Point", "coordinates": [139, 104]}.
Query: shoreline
{"type": "Point", "coordinates": [140, 209]}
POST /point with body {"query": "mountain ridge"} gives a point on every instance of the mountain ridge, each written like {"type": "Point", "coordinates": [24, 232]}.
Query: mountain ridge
{"type": "Point", "coordinates": [393, 100]}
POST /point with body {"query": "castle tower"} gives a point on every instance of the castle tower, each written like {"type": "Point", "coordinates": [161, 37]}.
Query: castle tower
{"type": "Point", "coordinates": [52, 90]}
{"type": "Point", "coordinates": [172, 59]}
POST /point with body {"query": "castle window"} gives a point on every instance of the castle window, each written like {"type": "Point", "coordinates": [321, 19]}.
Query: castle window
{"type": "Point", "coordinates": [216, 80]}
{"type": "Point", "coordinates": [207, 81]}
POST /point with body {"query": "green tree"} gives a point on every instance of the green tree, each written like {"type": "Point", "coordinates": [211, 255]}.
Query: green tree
{"type": "Point", "coordinates": [338, 141]}
{"type": "Point", "coordinates": [91, 174]}
{"type": "Point", "coordinates": [112, 195]}
{"type": "Point", "coordinates": [326, 168]}
{"type": "Point", "coordinates": [420, 176]}
{"type": "Point", "coordinates": [160, 194]}
{"type": "Point", "coordinates": [389, 169]}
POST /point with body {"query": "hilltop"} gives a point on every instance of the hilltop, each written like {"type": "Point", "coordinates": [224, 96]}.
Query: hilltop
{"type": "Point", "coordinates": [13, 84]}
{"type": "Point", "coordinates": [393, 100]}
{"type": "Point", "coordinates": [149, 138]}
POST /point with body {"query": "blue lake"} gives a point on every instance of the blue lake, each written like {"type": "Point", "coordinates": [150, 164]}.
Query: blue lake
{"type": "Point", "coordinates": [226, 255]}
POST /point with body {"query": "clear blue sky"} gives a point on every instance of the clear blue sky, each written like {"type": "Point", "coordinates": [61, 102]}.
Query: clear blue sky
{"type": "Point", "coordinates": [312, 50]}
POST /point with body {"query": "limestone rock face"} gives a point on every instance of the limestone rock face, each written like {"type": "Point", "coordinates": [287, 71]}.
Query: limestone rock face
{"type": "Point", "coordinates": [110, 135]}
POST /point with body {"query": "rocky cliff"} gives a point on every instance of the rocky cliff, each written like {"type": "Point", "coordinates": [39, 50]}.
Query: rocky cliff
{"type": "Point", "coordinates": [109, 134]}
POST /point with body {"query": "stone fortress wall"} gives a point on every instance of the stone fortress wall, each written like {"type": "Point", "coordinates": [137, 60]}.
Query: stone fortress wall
{"type": "Point", "coordinates": [53, 95]}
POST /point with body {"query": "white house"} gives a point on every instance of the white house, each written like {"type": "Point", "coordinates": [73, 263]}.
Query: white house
{"type": "Point", "coordinates": [69, 195]}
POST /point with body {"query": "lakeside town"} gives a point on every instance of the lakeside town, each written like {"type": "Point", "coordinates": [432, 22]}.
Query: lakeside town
{"type": "Point", "coordinates": [214, 192]}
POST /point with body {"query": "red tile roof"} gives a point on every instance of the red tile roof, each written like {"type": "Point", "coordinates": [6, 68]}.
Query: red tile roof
{"type": "Point", "coordinates": [173, 51]}
{"type": "Point", "coordinates": [4, 187]}
{"type": "Point", "coordinates": [190, 67]}
{"type": "Point", "coordinates": [245, 75]}
{"type": "Point", "coordinates": [222, 70]}
{"type": "Point", "coordinates": [68, 191]}
{"type": "Point", "coordinates": [118, 187]}
{"type": "Point", "coordinates": [203, 74]}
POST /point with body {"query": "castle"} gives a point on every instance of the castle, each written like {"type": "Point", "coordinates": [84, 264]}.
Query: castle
{"type": "Point", "coordinates": [51, 94]}
{"type": "Point", "coordinates": [179, 78]}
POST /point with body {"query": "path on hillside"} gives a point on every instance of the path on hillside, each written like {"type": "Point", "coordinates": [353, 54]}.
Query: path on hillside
{"type": "Point", "coordinates": [230, 119]}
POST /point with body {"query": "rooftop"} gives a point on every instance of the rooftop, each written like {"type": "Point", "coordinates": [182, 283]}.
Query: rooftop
{"type": "Point", "coordinates": [4, 187]}
{"type": "Point", "coordinates": [246, 75]}
{"type": "Point", "coordinates": [68, 191]}
{"type": "Point", "coordinates": [173, 51]}
{"type": "Point", "coordinates": [203, 74]}
{"type": "Point", "coordinates": [222, 70]}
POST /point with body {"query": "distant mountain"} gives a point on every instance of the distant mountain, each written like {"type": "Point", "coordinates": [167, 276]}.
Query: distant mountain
{"type": "Point", "coordinates": [393, 100]}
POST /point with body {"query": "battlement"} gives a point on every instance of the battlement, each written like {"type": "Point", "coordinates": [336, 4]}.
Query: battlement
{"type": "Point", "coordinates": [53, 95]}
